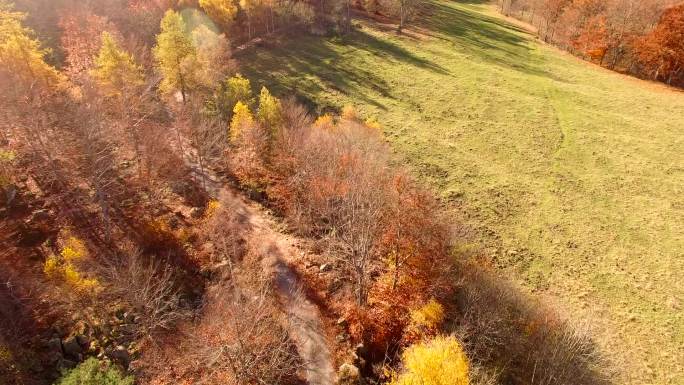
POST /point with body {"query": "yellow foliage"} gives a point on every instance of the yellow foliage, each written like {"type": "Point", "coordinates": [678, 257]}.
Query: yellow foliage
{"type": "Point", "coordinates": [51, 267]}
{"type": "Point", "coordinates": [372, 123]}
{"type": "Point", "coordinates": [5, 354]}
{"type": "Point", "coordinates": [349, 112]}
{"type": "Point", "coordinates": [175, 55]}
{"type": "Point", "coordinates": [440, 361]}
{"type": "Point", "coordinates": [7, 155]}
{"type": "Point", "coordinates": [78, 282]}
{"type": "Point", "coordinates": [73, 249]}
{"type": "Point", "coordinates": [20, 55]}
{"type": "Point", "coordinates": [324, 122]}
{"type": "Point", "coordinates": [429, 316]}
{"type": "Point", "coordinates": [270, 111]}
{"type": "Point", "coordinates": [62, 266]}
{"type": "Point", "coordinates": [212, 208]}
{"type": "Point", "coordinates": [221, 11]}
{"type": "Point", "coordinates": [115, 69]}
{"type": "Point", "coordinates": [241, 117]}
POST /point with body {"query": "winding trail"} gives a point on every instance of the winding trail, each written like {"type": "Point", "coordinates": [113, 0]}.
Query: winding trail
{"type": "Point", "coordinates": [278, 249]}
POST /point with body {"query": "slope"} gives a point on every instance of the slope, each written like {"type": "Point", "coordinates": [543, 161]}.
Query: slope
{"type": "Point", "coordinates": [570, 176]}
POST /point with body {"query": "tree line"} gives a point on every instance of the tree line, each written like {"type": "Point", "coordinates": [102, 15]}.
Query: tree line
{"type": "Point", "coordinates": [640, 37]}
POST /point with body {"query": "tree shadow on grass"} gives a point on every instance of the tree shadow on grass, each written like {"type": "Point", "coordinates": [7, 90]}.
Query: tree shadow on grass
{"type": "Point", "coordinates": [490, 39]}
{"type": "Point", "coordinates": [310, 66]}
{"type": "Point", "coordinates": [522, 339]}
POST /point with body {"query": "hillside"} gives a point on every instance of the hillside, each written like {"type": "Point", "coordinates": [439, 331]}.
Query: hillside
{"type": "Point", "coordinates": [569, 176]}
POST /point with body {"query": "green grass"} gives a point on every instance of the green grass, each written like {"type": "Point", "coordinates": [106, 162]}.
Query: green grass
{"type": "Point", "coordinates": [570, 177]}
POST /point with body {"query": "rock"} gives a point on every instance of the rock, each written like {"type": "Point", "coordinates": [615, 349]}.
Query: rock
{"type": "Point", "coordinates": [119, 314]}
{"type": "Point", "coordinates": [29, 237]}
{"type": "Point", "coordinates": [121, 355]}
{"type": "Point", "coordinates": [66, 364]}
{"type": "Point", "coordinates": [57, 331]}
{"type": "Point", "coordinates": [72, 347]}
{"type": "Point", "coordinates": [174, 223]}
{"type": "Point", "coordinates": [325, 267]}
{"type": "Point", "coordinates": [53, 358]}
{"type": "Point", "coordinates": [341, 337]}
{"type": "Point", "coordinates": [129, 317]}
{"type": "Point", "coordinates": [83, 340]}
{"type": "Point", "coordinates": [196, 212]}
{"type": "Point", "coordinates": [335, 286]}
{"type": "Point", "coordinates": [342, 322]}
{"type": "Point", "coordinates": [127, 329]}
{"type": "Point", "coordinates": [348, 374]}
{"type": "Point", "coordinates": [55, 345]}
{"type": "Point", "coordinates": [361, 351]}
{"type": "Point", "coordinates": [39, 215]}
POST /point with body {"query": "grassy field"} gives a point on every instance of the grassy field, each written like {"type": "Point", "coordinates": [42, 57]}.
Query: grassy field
{"type": "Point", "coordinates": [571, 177]}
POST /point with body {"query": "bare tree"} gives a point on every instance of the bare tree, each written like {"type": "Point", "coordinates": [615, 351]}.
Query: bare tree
{"type": "Point", "coordinates": [95, 149]}
{"type": "Point", "coordinates": [148, 287]}
{"type": "Point", "coordinates": [244, 338]}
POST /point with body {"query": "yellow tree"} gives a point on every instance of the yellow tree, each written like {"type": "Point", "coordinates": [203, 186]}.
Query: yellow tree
{"type": "Point", "coordinates": [270, 112]}
{"type": "Point", "coordinates": [242, 118]}
{"type": "Point", "coordinates": [21, 57]}
{"type": "Point", "coordinates": [232, 90]}
{"type": "Point", "coordinates": [122, 79]}
{"type": "Point", "coordinates": [175, 55]}
{"type": "Point", "coordinates": [223, 12]}
{"type": "Point", "coordinates": [115, 69]}
{"type": "Point", "coordinates": [440, 361]}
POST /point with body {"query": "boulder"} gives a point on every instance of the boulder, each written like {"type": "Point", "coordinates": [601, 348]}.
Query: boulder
{"type": "Point", "coordinates": [342, 322]}
{"type": "Point", "coordinates": [196, 212]}
{"type": "Point", "coordinates": [83, 340]}
{"type": "Point", "coordinates": [30, 237]}
{"type": "Point", "coordinates": [72, 347]}
{"type": "Point", "coordinates": [129, 317]}
{"type": "Point", "coordinates": [325, 267]}
{"type": "Point", "coordinates": [121, 355]}
{"type": "Point", "coordinates": [55, 345]}
{"type": "Point", "coordinates": [335, 286]}
{"type": "Point", "coordinates": [361, 351]}
{"type": "Point", "coordinates": [66, 364]}
{"type": "Point", "coordinates": [348, 374]}
{"type": "Point", "coordinates": [39, 215]}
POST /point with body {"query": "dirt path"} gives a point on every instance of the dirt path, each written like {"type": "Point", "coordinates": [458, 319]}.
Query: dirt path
{"type": "Point", "coordinates": [280, 249]}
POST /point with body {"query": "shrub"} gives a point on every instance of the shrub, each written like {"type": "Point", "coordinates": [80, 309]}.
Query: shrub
{"type": "Point", "coordinates": [440, 361]}
{"type": "Point", "coordinates": [324, 122]}
{"type": "Point", "coordinates": [77, 281]}
{"type": "Point", "coordinates": [212, 207]}
{"type": "Point", "coordinates": [73, 249]}
{"type": "Point", "coordinates": [63, 266]}
{"type": "Point", "coordinates": [51, 267]}
{"type": "Point", "coordinates": [426, 320]}
{"type": "Point", "coordinates": [349, 112]}
{"type": "Point", "coordinates": [147, 286]}
{"type": "Point", "coordinates": [229, 93]}
{"type": "Point", "coordinates": [94, 372]}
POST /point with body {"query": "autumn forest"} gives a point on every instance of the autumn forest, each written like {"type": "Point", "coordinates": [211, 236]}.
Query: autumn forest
{"type": "Point", "coordinates": [340, 192]}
